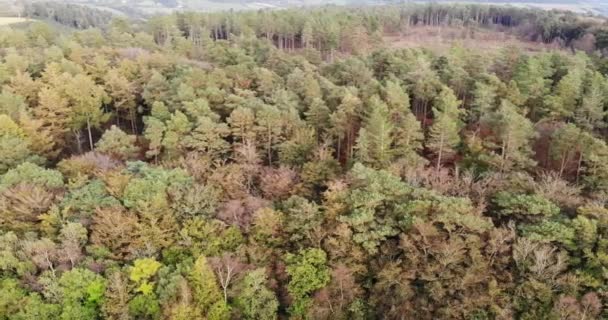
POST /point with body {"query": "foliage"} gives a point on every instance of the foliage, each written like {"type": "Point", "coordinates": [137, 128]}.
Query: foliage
{"type": "Point", "coordinates": [308, 272]}
{"type": "Point", "coordinates": [292, 163]}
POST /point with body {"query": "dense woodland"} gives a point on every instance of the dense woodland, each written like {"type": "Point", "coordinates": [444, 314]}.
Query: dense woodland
{"type": "Point", "coordinates": [295, 28]}
{"type": "Point", "coordinates": [259, 167]}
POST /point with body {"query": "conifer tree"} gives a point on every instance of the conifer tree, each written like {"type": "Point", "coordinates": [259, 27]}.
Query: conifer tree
{"type": "Point", "coordinates": [444, 133]}
{"type": "Point", "coordinates": [269, 125]}
{"type": "Point", "coordinates": [155, 130]}
{"type": "Point", "coordinates": [592, 111]}
{"type": "Point", "coordinates": [375, 142]}
{"type": "Point", "coordinates": [208, 138]}
{"type": "Point", "coordinates": [242, 124]}
{"type": "Point", "coordinates": [565, 143]}
{"type": "Point", "coordinates": [117, 143]}
{"type": "Point", "coordinates": [514, 132]}
{"type": "Point", "coordinates": [85, 100]}
{"type": "Point", "coordinates": [54, 113]}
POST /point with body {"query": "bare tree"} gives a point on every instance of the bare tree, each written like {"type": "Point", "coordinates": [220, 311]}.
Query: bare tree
{"type": "Point", "coordinates": [226, 267]}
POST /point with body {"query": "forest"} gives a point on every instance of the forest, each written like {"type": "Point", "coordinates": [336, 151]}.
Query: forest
{"type": "Point", "coordinates": [288, 165]}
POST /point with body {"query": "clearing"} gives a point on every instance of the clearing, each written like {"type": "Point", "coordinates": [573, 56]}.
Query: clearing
{"type": "Point", "coordinates": [4, 21]}
{"type": "Point", "coordinates": [440, 40]}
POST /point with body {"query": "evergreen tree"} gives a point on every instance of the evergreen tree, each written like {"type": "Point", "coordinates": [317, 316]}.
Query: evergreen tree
{"type": "Point", "coordinates": [208, 138]}
{"type": "Point", "coordinates": [154, 132]}
{"type": "Point", "coordinates": [85, 100]}
{"type": "Point", "coordinates": [514, 132]}
{"type": "Point", "coordinates": [592, 112]}
{"type": "Point", "coordinates": [444, 133]}
{"type": "Point", "coordinates": [375, 140]}
{"type": "Point", "coordinates": [118, 144]}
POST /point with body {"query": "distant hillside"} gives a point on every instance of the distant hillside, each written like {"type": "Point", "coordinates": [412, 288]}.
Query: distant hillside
{"type": "Point", "coordinates": [139, 8]}
{"type": "Point", "coordinates": [588, 7]}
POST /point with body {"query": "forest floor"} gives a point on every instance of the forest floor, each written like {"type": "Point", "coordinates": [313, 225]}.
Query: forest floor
{"type": "Point", "coordinates": [440, 40]}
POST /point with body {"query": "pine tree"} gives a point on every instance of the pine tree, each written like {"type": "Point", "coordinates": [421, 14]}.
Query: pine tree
{"type": "Point", "coordinates": [242, 124]}
{"type": "Point", "coordinates": [177, 128]}
{"type": "Point", "coordinates": [396, 99]}
{"type": "Point", "coordinates": [567, 94]}
{"type": "Point", "coordinates": [156, 89]}
{"type": "Point", "coordinates": [154, 132]}
{"type": "Point", "coordinates": [591, 113]}
{"type": "Point", "coordinates": [85, 99]}
{"type": "Point", "coordinates": [118, 144]}
{"type": "Point", "coordinates": [565, 144]}
{"type": "Point", "coordinates": [269, 125]}
{"type": "Point", "coordinates": [375, 143]}
{"type": "Point", "coordinates": [484, 101]}
{"type": "Point", "coordinates": [122, 92]}
{"type": "Point", "coordinates": [408, 138]}
{"type": "Point", "coordinates": [317, 116]}
{"type": "Point", "coordinates": [407, 133]}
{"type": "Point", "coordinates": [14, 144]}
{"type": "Point", "coordinates": [444, 133]}
{"type": "Point", "coordinates": [343, 123]}
{"type": "Point", "coordinates": [54, 113]}
{"type": "Point", "coordinates": [514, 132]}
{"type": "Point", "coordinates": [208, 138]}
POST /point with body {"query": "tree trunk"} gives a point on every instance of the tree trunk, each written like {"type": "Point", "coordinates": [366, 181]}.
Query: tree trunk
{"type": "Point", "coordinates": [269, 150]}
{"type": "Point", "coordinates": [440, 154]}
{"type": "Point", "coordinates": [579, 165]}
{"type": "Point", "coordinates": [90, 135]}
{"type": "Point", "coordinates": [133, 122]}
{"type": "Point", "coordinates": [562, 165]}
{"type": "Point", "coordinates": [78, 142]}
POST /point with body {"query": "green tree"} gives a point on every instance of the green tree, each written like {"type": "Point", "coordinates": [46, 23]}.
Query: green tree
{"type": "Point", "coordinates": [154, 132]}
{"type": "Point", "coordinates": [177, 128]}
{"type": "Point", "coordinates": [567, 94]}
{"type": "Point", "coordinates": [317, 116]}
{"type": "Point", "coordinates": [156, 89]}
{"type": "Point", "coordinates": [209, 138]}
{"type": "Point", "coordinates": [591, 113]}
{"type": "Point", "coordinates": [270, 129]}
{"type": "Point", "coordinates": [122, 92]}
{"type": "Point", "coordinates": [116, 143]}
{"type": "Point", "coordinates": [514, 132]}
{"type": "Point", "coordinates": [28, 173]}
{"type": "Point", "coordinates": [307, 272]}
{"type": "Point", "coordinates": [444, 133]}
{"type": "Point", "coordinates": [14, 145]}
{"type": "Point", "coordinates": [343, 123]}
{"type": "Point", "coordinates": [242, 124]}
{"type": "Point", "coordinates": [206, 292]}
{"type": "Point", "coordinates": [565, 145]}
{"type": "Point", "coordinates": [82, 293]}
{"type": "Point", "coordinates": [86, 99]}
{"type": "Point", "coordinates": [255, 300]}
{"type": "Point", "coordinates": [145, 303]}
{"type": "Point", "coordinates": [375, 140]}
{"type": "Point", "coordinates": [375, 210]}
{"type": "Point", "coordinates": [530, 207]}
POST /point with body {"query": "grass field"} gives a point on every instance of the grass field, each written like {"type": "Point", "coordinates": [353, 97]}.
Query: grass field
{"type": "Point", "coordinates": [4, 21]}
